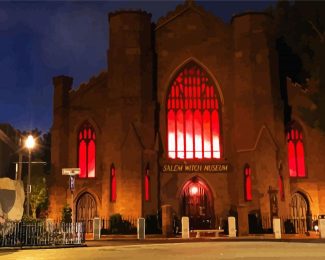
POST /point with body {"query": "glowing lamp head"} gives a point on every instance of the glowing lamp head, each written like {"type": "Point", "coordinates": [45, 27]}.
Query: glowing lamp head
{"type": "Point", "coordinates": [194, 190]}
{"type": "Point", "coordinates": [30, 142]}
{"type": "Point", "coordinates": [316, 228]}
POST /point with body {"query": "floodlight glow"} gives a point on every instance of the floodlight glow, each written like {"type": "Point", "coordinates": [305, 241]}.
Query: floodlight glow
{"type": "Point", "coordinates": [30, 142]}
{"type": "Point", "coordinates": [194, 190]}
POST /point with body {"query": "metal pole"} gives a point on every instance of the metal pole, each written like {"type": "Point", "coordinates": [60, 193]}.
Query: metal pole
{"type": "Point", "coordinates": [72, 217]}
{"type": "Point", "coordinates": [28, 182]}
{"type": "Point", "coordinates": [72, 207]}
{"type": "Point", "coordinates": [20, 159]}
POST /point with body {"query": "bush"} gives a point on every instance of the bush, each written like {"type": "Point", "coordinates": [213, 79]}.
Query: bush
{"type": "Point", "coordinates": [67, 214]}
{"type": "Point", "coordinates": [152, 225]}
{"type": "Point", "coordinates": [29, 219]}
{"type": "Point", "coordinates": [120, 226]}
{"type": "Point", "coordinates": [289, 227]}
{"type": "Point", "coordinates": [105, 231]}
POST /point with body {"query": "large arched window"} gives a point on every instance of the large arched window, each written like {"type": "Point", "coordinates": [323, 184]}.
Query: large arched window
{"type": "Point", "coordinates": [193, 115]}
{"type": "Point", "coordinates": [87, 151]}
{"type": "Point", "coordinates": [248, 183]}
{"type": "Point", "coordinates": [296, 151]}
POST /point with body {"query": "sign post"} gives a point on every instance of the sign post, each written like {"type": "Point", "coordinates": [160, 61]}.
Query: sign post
{"type": "Point", "coordinates": [277, 228]}
{"type": "Point", "coordinates": [96, 228]}
{"type": "Point", "coordinates": [141, 228]}
{"type": "Point", "coordinates": [321, 225]}
{"type": "Point", "coordinates": [232, 226]}
{"type": "Point", "coordinates": [185, 227]}
{"type": "Point", "coordinates": [71, 172]}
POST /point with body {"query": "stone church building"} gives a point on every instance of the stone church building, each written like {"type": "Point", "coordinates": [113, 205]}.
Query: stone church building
{"type": "Point", "coordinates": [189, 113]}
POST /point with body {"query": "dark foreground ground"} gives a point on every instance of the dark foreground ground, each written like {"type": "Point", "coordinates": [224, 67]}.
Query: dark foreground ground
{"type": "Point", "coordinates": [165, 249]}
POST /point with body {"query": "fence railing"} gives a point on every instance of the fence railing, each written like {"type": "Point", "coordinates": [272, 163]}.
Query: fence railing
{"type": "Point", "coordinates": [290, 225]}
{"type": "Point", "coordinates": [106, 221]}
{"type": "Point", "coordinates": [22, 234]}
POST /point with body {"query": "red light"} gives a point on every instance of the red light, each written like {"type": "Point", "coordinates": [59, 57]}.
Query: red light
{"type": "Point", "coordinates": [87, 152]}
{"type": "Point", "coordinates": [147, 187]}
{"type": "Point", "coordinates": [248, 184]}
{"type": "Point", "coordinates": [192, 116]}
{"type": "Point", "coordinates": [113, 184]}
{"type": "Point", "coordinates": [296, 154]}
{"type": "Point", "coordinates": [194, 190]}
{"type": "Point", "coordinates": [82, 159]}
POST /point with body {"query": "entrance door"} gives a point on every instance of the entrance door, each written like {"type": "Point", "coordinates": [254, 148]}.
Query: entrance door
{"type": "Point", "coordinates": [196, 204]}
{"type": "Point", "coordinates": [299, 209]}
{"type": "Point", "coordinates": [86, 210]}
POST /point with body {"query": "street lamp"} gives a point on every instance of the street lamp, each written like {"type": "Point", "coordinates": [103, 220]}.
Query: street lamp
{"type": "Point", "coordinates": [29, 144]}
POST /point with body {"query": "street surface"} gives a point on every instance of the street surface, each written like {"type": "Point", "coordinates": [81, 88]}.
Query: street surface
{"type": "Point", "coordinates": [189, 250]}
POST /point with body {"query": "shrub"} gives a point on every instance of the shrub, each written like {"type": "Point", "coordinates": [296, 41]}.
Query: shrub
{"type": "Point", "coordinates": [152, 225]}
{"type": "Point", "coordinates": [66, 214]}
{"type": "Point", "coordinates": [120, 226]}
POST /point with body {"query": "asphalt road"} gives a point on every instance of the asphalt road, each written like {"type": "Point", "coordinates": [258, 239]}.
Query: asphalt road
{"type": "Point", "coordinates": [165, 251]}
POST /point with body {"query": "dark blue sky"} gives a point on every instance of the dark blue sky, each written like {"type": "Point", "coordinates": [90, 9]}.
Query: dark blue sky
{"type": "Point", "coordinates": [39, 40]}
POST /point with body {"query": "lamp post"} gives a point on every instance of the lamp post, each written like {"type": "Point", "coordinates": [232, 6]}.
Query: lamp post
{"type": "Point", "coordinates": [29, 144]}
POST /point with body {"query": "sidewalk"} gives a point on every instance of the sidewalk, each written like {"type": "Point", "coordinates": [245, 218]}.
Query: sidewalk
{"type": "Point", "coordinates": [125, 240]}
{"type": "Point", "coordinates": [120, 240]}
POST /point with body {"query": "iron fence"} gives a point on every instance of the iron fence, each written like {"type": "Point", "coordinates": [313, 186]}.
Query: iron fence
{"type": "Point", "coordinates": [290, 225]}
{"type": "Point", "coordinates": [22, 234]}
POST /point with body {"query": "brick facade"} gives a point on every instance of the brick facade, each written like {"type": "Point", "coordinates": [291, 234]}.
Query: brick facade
{"type": "Point", "coordinates": [126, 105]}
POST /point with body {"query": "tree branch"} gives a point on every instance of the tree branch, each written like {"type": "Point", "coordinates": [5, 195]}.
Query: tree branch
{"type": "Point", "coordinates": [321, 36]}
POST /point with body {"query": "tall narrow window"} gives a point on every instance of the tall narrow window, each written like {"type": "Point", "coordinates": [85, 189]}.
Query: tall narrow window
{"type": "Point", "coordinates": [248, 183]}
{"type": "Point", "coordinates": [193, 120]}
{"type": "Point", "coordinates": [87, 151]}
{"type": "Point", "coordinates": [113, 183]}
{"type": "Point", "coordinates": [147, 184]}
{"type": "Point", "coordinates": [296, 154]}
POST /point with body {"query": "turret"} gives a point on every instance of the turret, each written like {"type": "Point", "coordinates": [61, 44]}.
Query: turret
{"type": "Point", "coordinates": [130, 54]}
{"type": "Point", "coordinates": [62, 86]}
{"type": "Point", "coordinates": [255, 78]}
{"type": "Point", "coordinates": [60, 127]}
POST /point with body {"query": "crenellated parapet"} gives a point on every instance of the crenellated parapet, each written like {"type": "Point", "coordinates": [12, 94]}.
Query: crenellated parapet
{"type": "Point", "coordinates": [98, 80]}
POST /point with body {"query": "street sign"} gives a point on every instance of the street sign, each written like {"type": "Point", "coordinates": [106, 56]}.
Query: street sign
{"type": "Point", "coordinates": [70, 171]}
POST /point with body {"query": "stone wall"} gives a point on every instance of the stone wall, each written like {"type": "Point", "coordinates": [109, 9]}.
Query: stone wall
{"type": "Point", "coordinates": [12, 197]}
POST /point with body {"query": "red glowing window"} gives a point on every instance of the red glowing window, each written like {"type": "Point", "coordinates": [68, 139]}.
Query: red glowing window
{"type": "Point", "coordinates": [296, 154]}
{"type": "Point", "coordinates": [147, 184]}
{"type": "Point", "coordinates": [248, 183]}
{"type": "Point", "coordinates": [86, 151]}
{"type": "Point", "coordinates": [193, 120]}
{"type": "Point", "coordinates": [113, 183]}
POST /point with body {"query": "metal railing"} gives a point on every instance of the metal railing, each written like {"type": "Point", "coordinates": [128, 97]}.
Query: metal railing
{"type": "Point", "coordinates": [22, 234]}
{"type": "Point", "coordinates": [290, 225]}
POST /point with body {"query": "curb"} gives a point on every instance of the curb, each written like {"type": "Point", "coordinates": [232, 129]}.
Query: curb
{"type": "Point", "coordinates": [40, 247]}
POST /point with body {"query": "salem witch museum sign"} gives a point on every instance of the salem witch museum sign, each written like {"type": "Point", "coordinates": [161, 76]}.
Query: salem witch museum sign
{"type": "Point", "coordinates": [195, 168]}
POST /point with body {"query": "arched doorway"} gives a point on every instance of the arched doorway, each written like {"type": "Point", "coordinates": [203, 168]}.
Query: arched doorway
{"type": "Point", "coordinates": [196, 203]}
{"type": "Point", "coordinates": [86, 210]}
{"type": "Point", "coordinates": [300, 212]}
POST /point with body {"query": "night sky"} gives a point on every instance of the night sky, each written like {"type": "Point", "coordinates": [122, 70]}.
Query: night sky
{"type": "Point", "coordinates": [39, 40]}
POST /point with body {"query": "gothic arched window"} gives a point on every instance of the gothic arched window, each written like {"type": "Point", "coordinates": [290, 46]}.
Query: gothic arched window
{"type": "Point", "coordinates": [147, 184]}
{"type": "Point", "coordinates": [87, 151]}
{"type": "Point", "coordinates": [113, 183]}
{"type": "Point", "coordinates": [296, 151]}
{"type": "Point", "coordinates": [248, 183]}
{"type": "Point", "coordinates": [193, 115]}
